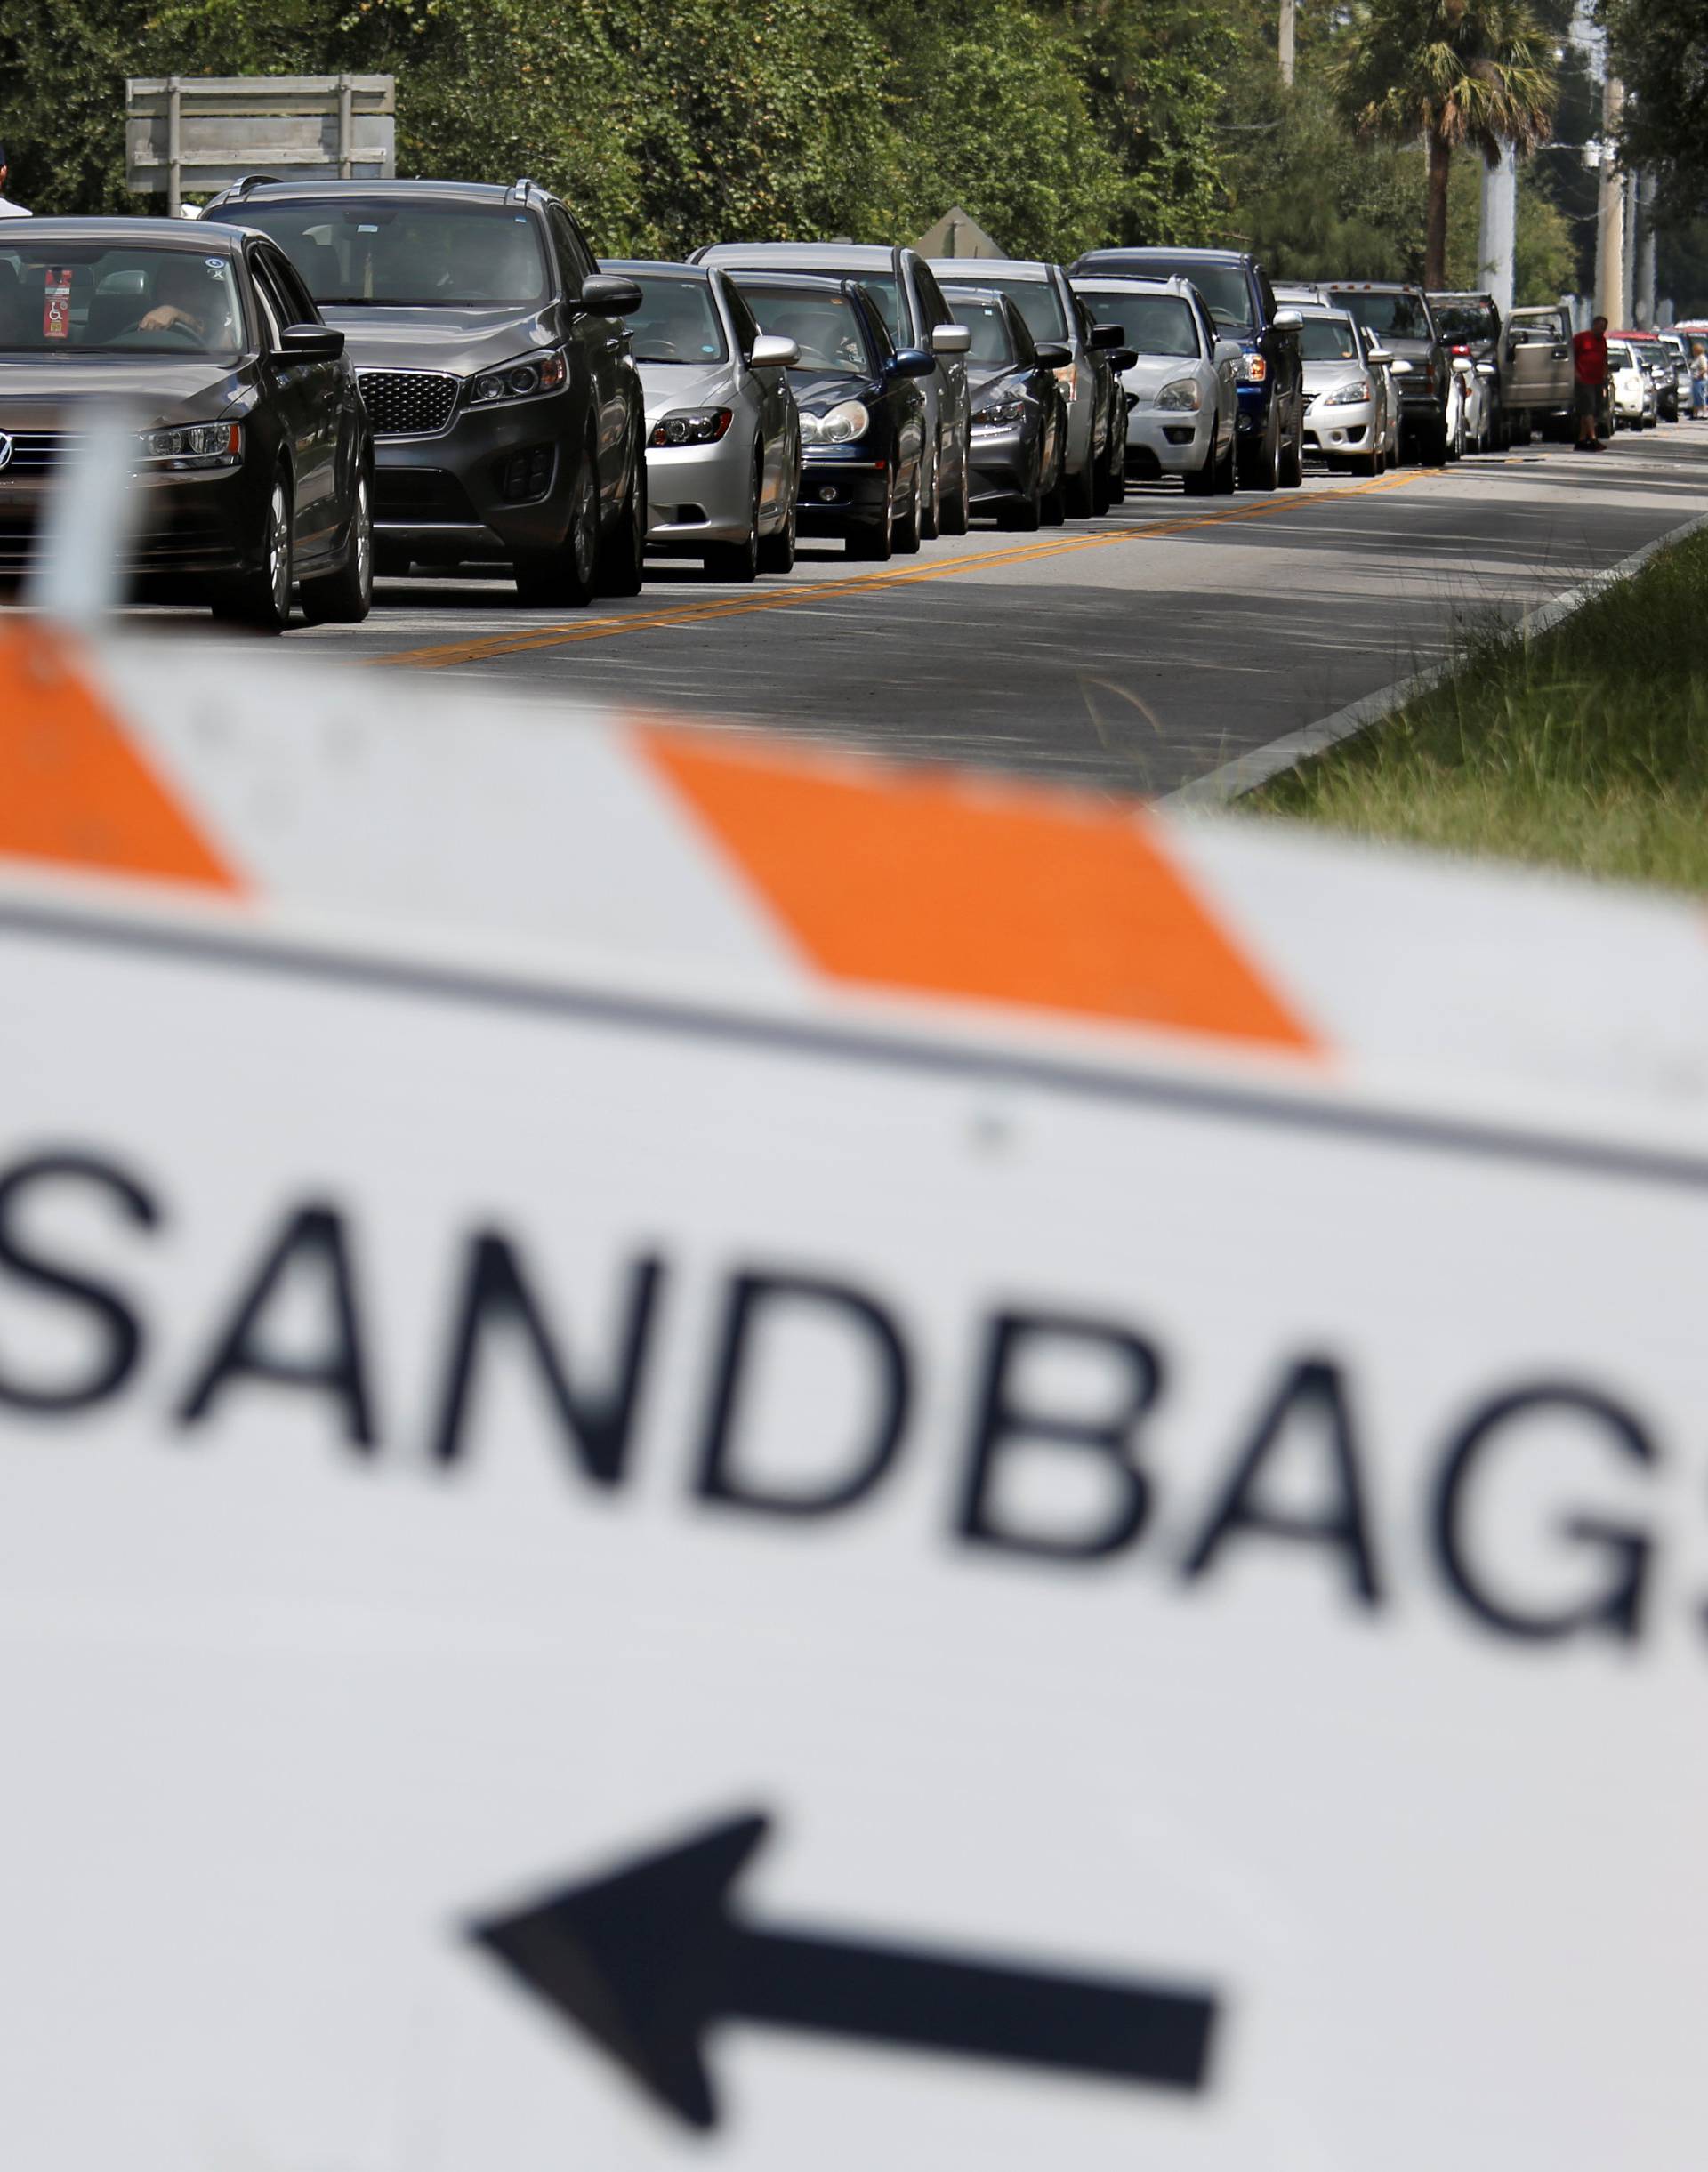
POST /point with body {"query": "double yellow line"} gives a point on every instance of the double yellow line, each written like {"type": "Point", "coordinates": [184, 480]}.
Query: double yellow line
{"type": "Point", "coordinates": [520, 640]}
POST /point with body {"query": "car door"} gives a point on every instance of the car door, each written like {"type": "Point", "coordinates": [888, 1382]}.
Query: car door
{"type": "Point", "coordinates": [773, 401]}
{"type": "Point", "coordinates": [308, 399]}
{"type": "Point", "coordinates": [602, 343]}
{"type": "Point", "coordinates": [953, 419]}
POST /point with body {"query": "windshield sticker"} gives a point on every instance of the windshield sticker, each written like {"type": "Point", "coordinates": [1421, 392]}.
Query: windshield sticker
{"type": "Point", "coordinates": [214, 265]}
{"type": "Point", "coordinates": [56, 305]}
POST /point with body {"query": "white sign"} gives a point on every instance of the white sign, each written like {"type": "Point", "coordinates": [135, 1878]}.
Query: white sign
{"type": "Point", "coordinates": [1160, 1611]}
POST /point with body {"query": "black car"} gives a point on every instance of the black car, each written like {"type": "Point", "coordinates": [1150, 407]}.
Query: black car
{"type": "Point", "coordinates": [1019, 415]}
{"type": "Point", "coordinates": [493, 358]}
{"type": "Point", "coordinates": [254, 458]}
{"type": "Point", "coordinates": [1269, 430]}
{"type": "Point", "coordinates": [1401, 319]}
{"type": "Point", "coordinates": [863, 415]}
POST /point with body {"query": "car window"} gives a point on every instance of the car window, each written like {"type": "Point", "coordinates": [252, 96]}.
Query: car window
{"type": "Point", "coordinates": [931, 300]}
{"type": "Point", "coordinates": [677, 321]}
{"type": "Point", "coordinates": [993, 342]}
{"type": "Point", "coordinates": [406, 252]}
{"type": "Point", "coordinates": [827, 327]}
{"type": "Point", "coordinates": [57, 297]}
{"type": "Point", "coordinates": [1327, 339]}
{"type": "Point", "coordinates": [1618, 355]}
{"type": "Point", "coordinates": [275, 312]}
{"type": "Point", "coordinates": [745, 323]}
{"type": "Point", "coordinates": [1468, 320]}
{"type": "Point", "coordinates": [1150, 324]}
{"type": "Point", "coordinates": [1224, 286]}
{"type": "Point", "coordinates": [1394, 315]}
{"type": "Point", "coordinates": [1266, 294]}
{"type": "Point", "coordinates": [1037, 301]}
{"type": "Point", "coordinates": [574, 264]}
{"type": "Point", "coordinates": [293, 296]}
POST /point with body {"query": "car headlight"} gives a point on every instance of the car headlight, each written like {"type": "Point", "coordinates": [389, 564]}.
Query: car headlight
{"type": "Point", "coordinates": [520, 380]}
{"type": "Point", "coordinates": [1182, 393]}
{"type": "Point", "coordinates": [840, 425]}
{"type": "Point", "coordinates": [1349, 394]}
{"type": "Point", "coordinates": [1254, 369]}
{"type": "Point", "coordinates": [691, 426]}
{"type": "Point", "coordinates": [1003, 411]}
{"type": "Point", "coordinates": [201, 445]}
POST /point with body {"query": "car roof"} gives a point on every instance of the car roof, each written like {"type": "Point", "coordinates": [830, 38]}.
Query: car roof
{"type": "Point", "coordinates": [1372, 286]}
{"type": "Point", "coordinates": [1459, 293]}
{"type": "Point", "coordinates": [1124, 283]}
{"type": "Point", "coordinates": [1029, 269]}
{"type": "Point", "coordinates": [867, 256]}
{"type": "Point", "coordinates": [701, 272]}
{"type": "Point", "coordinates": [1153, 252]}
{"type": "Point", "coordinates": [186, 234]}
{"type": "Point", "coordinates": [276, 190]}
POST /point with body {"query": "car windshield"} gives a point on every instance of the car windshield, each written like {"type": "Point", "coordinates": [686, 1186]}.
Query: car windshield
{"type": "Point", "coordinates": [1618, 357]}
{"type": "Point", "coordinates": [1222, 286]}
{"type": "Point", "coordinates": [677, 321]}
{"type": "Point", "coordinates": [825, 327]}
{"type": "Point", "coordinates": [1391, 315]}
{"type": "Point", "coordinates": [1150, 324]}
{"type": "Point", "coordinates": [393, 252]}
{"type": "Point", "coordinates": [1327, 339]}
{"type": "Point", "coordinates": [1467, 320]}
{"type": "Point", "coordinates": [61, 298]}
{"type": "Point", "coordinates": [987, 321]}
{"type": "Point", "coordinates": [1039, 303]}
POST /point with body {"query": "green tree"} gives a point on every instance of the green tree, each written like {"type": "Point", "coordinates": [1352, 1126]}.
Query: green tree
{"type": "Point", "coordinates": [1659, 49]}
{"type": "Point", "coordinates": [1453, 72]}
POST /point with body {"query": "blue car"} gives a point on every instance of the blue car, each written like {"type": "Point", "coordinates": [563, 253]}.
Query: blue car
{"type": "Point", "coordinates": [1269, 430]}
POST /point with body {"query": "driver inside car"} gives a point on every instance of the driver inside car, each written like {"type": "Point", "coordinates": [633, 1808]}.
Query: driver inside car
{"type": "Point", "coordinates": [188, 299]}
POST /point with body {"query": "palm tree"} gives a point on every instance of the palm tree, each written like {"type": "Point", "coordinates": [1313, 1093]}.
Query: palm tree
{"type": "Point", "coordinates": [1453, 72]}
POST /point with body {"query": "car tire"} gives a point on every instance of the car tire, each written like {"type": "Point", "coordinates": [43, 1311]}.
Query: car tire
{"type": "Point", "coordinates": [1052, 502]}
{"type": "Point", "coordinates": [345, 597]}
{"type": "Point", "coordinates": [741, 561]}
{"type": "Point", "coordinates": [1025, 516]}
{"type": "Point", "coordinates": [563, 579]}
{"type": "Point", "coordinates": [1292, 459]}
{"type": "Point", "coordinates": [621, 565]}
{"type": "Point", "coordinates": [1200, 482]}
{"type": "Point", "coordinates": [873, 540]}
{"type": "Point", "coordinates": [911, 531]}
{"type": "Point", "coordinates": [777, 550]}
{"type": "Point", "coordinates": [1118, 468]}
{"type": "Point", "coordinates": [955, 515]}
{"type": "Point", "coordinates": [930, 506]}
{"type": "Point", "coordinates": [1102, 489]}
{"type": "Point", "coordinates": [1368, 463]}
{"type": "Point", "coordinates": [262, 599]}
{"type": "Point", "coordinates": [1082, 492]}
{"type": "Point", "coordinates": [1261, 469]}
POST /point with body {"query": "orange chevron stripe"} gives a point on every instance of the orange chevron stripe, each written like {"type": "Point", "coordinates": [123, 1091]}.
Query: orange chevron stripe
{"type": "Point", "coordinates": [74, 788]}
{"type": "Point", "coordinates": [981, 889]}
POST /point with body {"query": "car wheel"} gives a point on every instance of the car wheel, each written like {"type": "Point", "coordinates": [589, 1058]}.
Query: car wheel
{"type": "Point", "coordinates": [1081, 492]}
{"type": "Point", "coordinates": [1200, 482]}
{"type": "Point", "coordinates": [563, 578]}
{"type": "Point", "coordinates": [740, 561]}
{"type": "Point", "coordinates": [344, 598]}
{"type": "Point", "coordinates": [873, 539]}
{"type": "Point", "coordinates": [621, 565]}
{"type": "Point", "coordinates": [955, 517]}
{"type": "Point", "coordinates": [1026, 515]}
{"type": "Point", "coordinates": [910, 534]}
{"type": "Point", "coordinates": [1292, 459]}
{"type": "Point", "coordinates": [262, 599]}
{"type": "Point", "coordinates": [777, 550]}
{"type": "Point", "coordinates": [1118, 464]}
{"type": "Point", "coordinates": [1368, 463]}
{"type": "Point", "coordinates": [930, 513]}
{"type": "Point", "coordinates": [1052, 504]}
{"type": "Point", "coordinates": [1261, 469]}
{"type": "Point", "coordinates": [1227, 474]}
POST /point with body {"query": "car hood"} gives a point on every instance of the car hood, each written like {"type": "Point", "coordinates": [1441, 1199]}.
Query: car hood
{"type": "Point", "coordinates": [157, 388]}
{"type": "Point", "coordinates": [463, 340]}
{"type": "Point", "coordinates": [817, 390]}
{"type": "Point", "coordinates": [666, 385]}
{"type": "Point", "coordinates": [1151, 373]}
{"type": "Point", "coordinates": [984, 376]}
{"type": "Point", "coordinates": [1324, 376]}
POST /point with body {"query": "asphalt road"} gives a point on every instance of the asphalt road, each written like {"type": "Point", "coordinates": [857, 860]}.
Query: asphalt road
{"type": "Point", "coordinates": [1133, 652]}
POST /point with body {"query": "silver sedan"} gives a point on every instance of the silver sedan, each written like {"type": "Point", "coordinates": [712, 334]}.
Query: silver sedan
{"type": "Point", "coordinates": [1182, 387]}
{"type": "Point", "coordinates": [1347, 391]}
{"type": "Point", "coordinates": [723, 434]}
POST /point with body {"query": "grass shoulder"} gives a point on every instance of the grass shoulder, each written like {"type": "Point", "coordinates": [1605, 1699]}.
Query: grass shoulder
{"type": "Point", "coordinates": [1584, 748]}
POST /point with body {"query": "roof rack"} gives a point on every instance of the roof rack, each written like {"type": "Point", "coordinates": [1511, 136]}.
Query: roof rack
{"type": "Point", "coordinates": [519, 191]}
{"type": "Point", "coordinates": [244, 182]}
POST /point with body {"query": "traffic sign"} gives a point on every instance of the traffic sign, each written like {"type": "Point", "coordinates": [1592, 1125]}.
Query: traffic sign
{"type": "Point", "coordinates": [602, 1318]}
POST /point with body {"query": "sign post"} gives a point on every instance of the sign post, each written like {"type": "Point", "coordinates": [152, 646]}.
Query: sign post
{"type": "Point", "coordinates": [205, 133]}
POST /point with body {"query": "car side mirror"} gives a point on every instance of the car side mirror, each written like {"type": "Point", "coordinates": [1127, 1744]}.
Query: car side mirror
{"type": "Point", "coordinates": [771, 353]}
{"type": "Point", "coordinates": [1055, 354]}
{"type": "Point", "coordinates": [1380, 359]}
{"type": "Point", "coordinates": [913, 362]}
{"type": "Point", "coordinates": [1286, 320]}
{"type": "Point", "coordinates": [1106, 338]}
{"type": "Point", "coordinates": [310, 344]}
{"type": "Point", "coordinates": [1400, 366]}
{"type": "Point", "coordinates": [1124, 357]}
{"type": "Point", "coordinates": [608, 294]}
{"type": "Point", "coordinates": [951, 339]}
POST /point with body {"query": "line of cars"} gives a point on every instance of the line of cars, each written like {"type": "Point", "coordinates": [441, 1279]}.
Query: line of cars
{"type": "Point", "coordinates": [334, 378]}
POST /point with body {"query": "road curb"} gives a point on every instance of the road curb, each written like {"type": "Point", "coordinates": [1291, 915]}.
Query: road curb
{"type": "Point", "coordinates": [1247, 772]}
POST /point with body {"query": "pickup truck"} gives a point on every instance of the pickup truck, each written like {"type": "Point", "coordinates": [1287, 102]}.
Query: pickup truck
{"type": "Point", "coordinates": [1536, 374]}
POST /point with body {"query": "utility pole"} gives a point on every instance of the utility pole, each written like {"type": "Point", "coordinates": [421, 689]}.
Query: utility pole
{"type": "Point", "coordinates": [1610, 210]}
{"type": "Point", "coordinates": [1285, 40]}
{"type": "Point", "coordinates": [1647, 282]}
{"type": "Point", "coordinates": [1495, 250]}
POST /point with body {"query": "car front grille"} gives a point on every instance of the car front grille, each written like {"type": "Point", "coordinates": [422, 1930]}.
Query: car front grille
{"type": "Point", "coordinates": [35, 451]}
{"type": "Point", "coordinates": [407, 403]}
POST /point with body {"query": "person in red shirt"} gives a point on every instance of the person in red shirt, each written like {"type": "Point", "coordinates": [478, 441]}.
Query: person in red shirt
{"type": "Point", "coordinates": [1590, 368]}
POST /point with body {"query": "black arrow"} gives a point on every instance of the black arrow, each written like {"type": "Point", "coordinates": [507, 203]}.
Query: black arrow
{"type": "Point", "coordinates": [648, 1957]}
